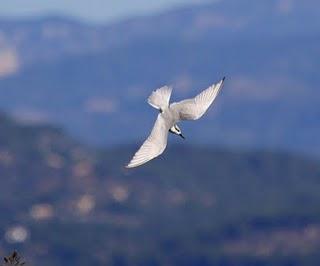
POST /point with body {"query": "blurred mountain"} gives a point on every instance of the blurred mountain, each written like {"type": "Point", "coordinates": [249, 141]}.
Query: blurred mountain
{"type": "Point", "coordinates": [95, 79]}
{"type": "Point", "coordinates": [62, 203]}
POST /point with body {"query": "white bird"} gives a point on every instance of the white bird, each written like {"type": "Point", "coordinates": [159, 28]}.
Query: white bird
{"type": "Point", "coordinates": [169, 116]}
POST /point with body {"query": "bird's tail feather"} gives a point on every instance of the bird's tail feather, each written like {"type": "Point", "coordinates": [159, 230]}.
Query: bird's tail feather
{"type": "Point", "coordinates": [160, 98]}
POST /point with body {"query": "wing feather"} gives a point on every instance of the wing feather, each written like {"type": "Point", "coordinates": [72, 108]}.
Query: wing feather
{"type": "Point", "coordinates": [193, 109]}
{"type": "Point", "coordinates": [154, 145]}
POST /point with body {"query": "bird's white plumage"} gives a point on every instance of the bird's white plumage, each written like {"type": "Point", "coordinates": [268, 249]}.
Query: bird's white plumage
{"type": "Point", "coordinates": [160, 98]}
{"type": "Point", "coordinates": [154, 145]}
{"type": "Point", "coordinates": [193, 109]}
{"type": "Point", "coordinates": [190, 109]}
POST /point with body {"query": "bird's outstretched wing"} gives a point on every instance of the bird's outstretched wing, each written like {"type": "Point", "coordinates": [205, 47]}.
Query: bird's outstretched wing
{"type": "Point", "coordinates": [193, 109]}
{"type": "Point", "coordinates": [160, 98]}
{"type": "Point", "coordinates": [154, 145]}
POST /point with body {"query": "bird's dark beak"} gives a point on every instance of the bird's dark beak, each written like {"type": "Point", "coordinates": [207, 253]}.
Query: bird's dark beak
{"type": "Point", "coordinates": [182, 136]}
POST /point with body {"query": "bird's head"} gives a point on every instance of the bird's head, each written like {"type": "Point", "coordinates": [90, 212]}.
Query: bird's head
{"type": "Point", "coordinates": [176, 130]}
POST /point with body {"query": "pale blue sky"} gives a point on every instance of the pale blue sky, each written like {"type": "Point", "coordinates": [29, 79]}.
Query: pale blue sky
{"type": "Point", "coordinates": [92, 10]}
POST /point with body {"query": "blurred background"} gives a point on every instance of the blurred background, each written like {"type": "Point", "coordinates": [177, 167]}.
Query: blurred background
{"type": "Point", "coordinates": [243, 189]}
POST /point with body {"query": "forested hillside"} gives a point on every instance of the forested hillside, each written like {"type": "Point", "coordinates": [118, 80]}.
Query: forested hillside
{"type": "Point", "coordinates": [192, 206]}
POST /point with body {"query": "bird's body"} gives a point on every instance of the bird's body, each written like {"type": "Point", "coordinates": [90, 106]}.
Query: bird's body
{"type": "Point", "coordinates": [169, 116]}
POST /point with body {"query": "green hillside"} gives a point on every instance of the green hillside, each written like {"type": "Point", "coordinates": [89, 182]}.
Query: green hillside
{"type": "Point", "coordinates": [192, 206]}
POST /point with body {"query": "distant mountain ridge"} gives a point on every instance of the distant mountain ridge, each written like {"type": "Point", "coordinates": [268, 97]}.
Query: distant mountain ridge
{"type": "Point", "coordinates": [69, 36]}
{"type": "Point", "coordinates": [95, 79]}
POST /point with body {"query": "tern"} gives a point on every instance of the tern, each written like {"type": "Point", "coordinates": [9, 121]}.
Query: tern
{"type": "Point", "coordinates": [168, 117]}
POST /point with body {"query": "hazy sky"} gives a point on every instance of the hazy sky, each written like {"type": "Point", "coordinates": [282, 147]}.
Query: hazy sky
{"type": "Point", "coordinates": [93, 10]}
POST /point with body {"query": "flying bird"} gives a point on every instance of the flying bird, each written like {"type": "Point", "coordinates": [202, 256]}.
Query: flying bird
{"type": "Point", "coordinates": [168, 117]}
